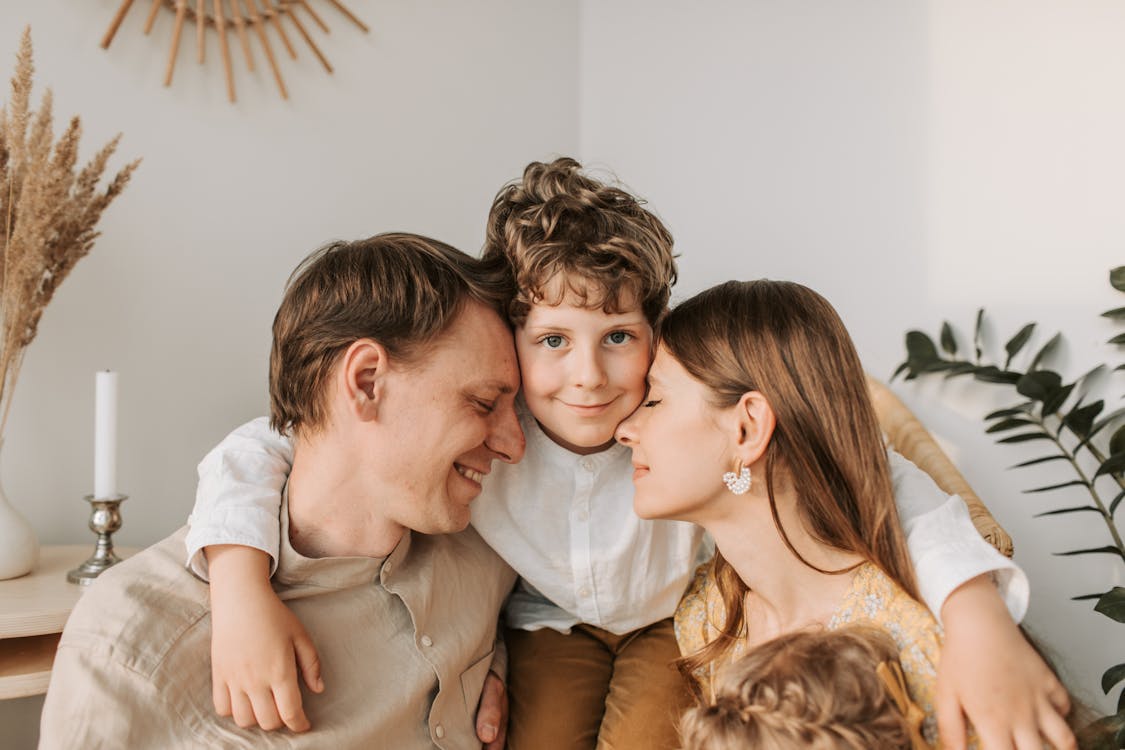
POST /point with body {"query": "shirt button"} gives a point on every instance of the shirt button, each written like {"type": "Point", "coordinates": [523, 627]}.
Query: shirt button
{"type": "Point", "coordinates": [588, 464]}
{"type": "Point", "coordinates": [388, 567]}
{"type": "Point", "coordinates": [439, 731]}
{"type": "Point", "coordinates": [583, 515]}
{"type": "Point", "coordinates": [583, 592]}
{"type": "Point", "coordinates": [427, 641]}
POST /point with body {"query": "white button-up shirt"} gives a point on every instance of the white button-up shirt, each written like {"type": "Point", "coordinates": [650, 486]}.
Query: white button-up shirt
{"type": "Point", "coordinates": [566, 524]}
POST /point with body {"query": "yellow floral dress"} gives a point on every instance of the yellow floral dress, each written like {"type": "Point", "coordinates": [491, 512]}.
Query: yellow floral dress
{"type": "Point", "coordinates": [873, 599]}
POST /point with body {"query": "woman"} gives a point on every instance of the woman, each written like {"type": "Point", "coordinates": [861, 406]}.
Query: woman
{"type": "Point", "coordinates": [758, 427]}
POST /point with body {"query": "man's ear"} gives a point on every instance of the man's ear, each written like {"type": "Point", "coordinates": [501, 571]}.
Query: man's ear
{"type": "Point", "coordinates": [755, 422]}
{"type": "Point", "coordinates": [363, 377]}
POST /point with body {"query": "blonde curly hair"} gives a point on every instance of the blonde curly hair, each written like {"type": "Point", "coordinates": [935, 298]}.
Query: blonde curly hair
{"type": "Point", "coordinates": [814, 690]}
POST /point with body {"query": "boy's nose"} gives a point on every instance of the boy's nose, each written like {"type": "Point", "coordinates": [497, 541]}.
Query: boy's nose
{"type": "Point", "coordinates": [589, 371]}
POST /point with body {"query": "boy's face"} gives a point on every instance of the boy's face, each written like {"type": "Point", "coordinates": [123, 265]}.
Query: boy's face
{"type": "Point", "coordinates": [583, 370]}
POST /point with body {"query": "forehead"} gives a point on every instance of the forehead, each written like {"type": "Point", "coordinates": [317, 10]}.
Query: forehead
{"type": "Point", "coordinates": [666, 370]}
{"type": "Point", "coordinates": [477, 348]}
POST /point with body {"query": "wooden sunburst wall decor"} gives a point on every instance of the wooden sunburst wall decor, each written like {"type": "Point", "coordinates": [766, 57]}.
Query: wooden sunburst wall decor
{"type": "Point", "coordinates": [244, 19]}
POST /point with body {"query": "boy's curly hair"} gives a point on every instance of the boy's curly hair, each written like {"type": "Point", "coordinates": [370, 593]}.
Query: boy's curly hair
{"type": "Point", "coordinates": [814, 690]}
{"type": "Point", "coordinates": [606, 248]}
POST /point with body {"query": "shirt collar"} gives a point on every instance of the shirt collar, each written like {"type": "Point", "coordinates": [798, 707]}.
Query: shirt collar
{"type": "Point", "coordinates": [330, 572]}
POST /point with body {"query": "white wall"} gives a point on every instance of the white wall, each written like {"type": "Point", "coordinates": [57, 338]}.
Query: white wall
{"type": "Point", "coordinates": [421, 123]}
{"type": "Point", "coordinates": [911, 161]}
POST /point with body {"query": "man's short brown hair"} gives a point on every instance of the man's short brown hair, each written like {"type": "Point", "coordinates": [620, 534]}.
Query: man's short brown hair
{"type": "Point", "coordinates": [558, 223]}
{"type": "Point", "coordinates": [402, 290]}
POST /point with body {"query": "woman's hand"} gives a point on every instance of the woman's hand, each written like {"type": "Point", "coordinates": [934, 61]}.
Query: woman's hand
{"type": "Point", "coordinates": [992, 676]}
{"type": "Point", "coordinates": [257, 644]}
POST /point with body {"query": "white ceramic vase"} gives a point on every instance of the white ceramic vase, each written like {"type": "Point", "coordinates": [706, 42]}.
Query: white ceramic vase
{"type": "Point", "coordinates": [19, 549]}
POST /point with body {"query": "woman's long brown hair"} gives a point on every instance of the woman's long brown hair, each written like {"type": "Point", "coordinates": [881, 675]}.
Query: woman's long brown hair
{"type": "Point", "coordinates": [786, 342]}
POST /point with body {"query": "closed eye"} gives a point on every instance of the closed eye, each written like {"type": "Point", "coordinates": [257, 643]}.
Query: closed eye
{"type": "Point", "coordinates": [650, 404]}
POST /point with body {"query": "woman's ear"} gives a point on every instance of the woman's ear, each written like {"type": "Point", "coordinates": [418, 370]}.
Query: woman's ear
{"type": "Point", "coordinates": [362, 377]}
{"type": "Point", "coordinates": [755, 422]}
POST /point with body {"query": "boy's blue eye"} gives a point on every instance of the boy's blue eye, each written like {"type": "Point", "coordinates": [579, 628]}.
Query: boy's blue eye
{"type": "Point", "coordinates": [619, 337]}
{"type": "Point", "coordinates": [554, 341]}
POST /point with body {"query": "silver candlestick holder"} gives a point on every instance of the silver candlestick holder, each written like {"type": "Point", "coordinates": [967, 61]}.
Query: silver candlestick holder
{"type": "Point", "coordinates": [105, 518]}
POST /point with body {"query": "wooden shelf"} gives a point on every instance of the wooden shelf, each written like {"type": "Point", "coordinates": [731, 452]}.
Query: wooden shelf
{"type": "Point", "coordinates": [25, 664]}
{"type": "Point", "coordinates": [33, 610]}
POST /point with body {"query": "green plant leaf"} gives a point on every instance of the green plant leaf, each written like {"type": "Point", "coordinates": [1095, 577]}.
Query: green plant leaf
{"type": "Point", "coordinates": [1115, 464]}
{"type": "Point", "coordinates": [1040, 385]}
{"type": "Point", "coordinates": [1087, 597]}
{"type": "Point", "coordinates": [900, 369]}
{"type": "Point", "coordinates": [1008, 424]}
{"type": "Point", "coordinates": [993, 374]}
{"type": "Point", "coordinates": [1098, 427]}
{"type": "Point", "coordinates": [1062, 511]}
{"type": "Point", "coordinates": [1023, 408]}
{"type": "Point", "coordinates": [977, 333]}
{"type": "Point", "coordinates": [961, 368]}
{"type": "Point", "coordinates": [1043, 460]}
{"type": "Point", "coordinates": [920, 347]}
{"type": "Point", "coordinates": [1045, 350]}
{"type": "Point", "coordinates": [1118, 339]}
{"type": "Point", "coordinates": [1080, 420]}
{"type": "Point", "coordinates": [1115, 313]}
{"type": "Point", "coordinates": [1117, 278]}
{"type": "Point", "coordinates": [1025, 437]}
{"type": "Point", "coordinates": [1112, 676]}
{"type": "Point", "coordinates": [1017, 342]}
{"type": "Point", "coordinates": [1055, 402]}
{"type": "Point", "coordinates": [1107, 550]}
{"type": "Point", "coordinates": [1116, 501]}
{"type": "Point", "coordinates": [1112, 604]}
{"type": "Point", "coordinates": [1117, 441]}
{"type": "Point", "coordinates": [1061, 485]}
{"type": "Point", "coordinates": [948, 341]}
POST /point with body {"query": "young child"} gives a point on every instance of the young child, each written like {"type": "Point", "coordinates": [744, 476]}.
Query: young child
{"type": "Point", "coordinates": [589, 633]}
{"type": "Point", "coordinates": [811, 690]}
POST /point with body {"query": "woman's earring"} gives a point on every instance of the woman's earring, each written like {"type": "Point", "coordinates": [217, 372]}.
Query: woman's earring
{"type": "Point", "coordinates": [738, 481]}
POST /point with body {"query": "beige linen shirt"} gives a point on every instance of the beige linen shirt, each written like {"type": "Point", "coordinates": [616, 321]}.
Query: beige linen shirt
{"type": "Point", "coordinates": [405, 644]}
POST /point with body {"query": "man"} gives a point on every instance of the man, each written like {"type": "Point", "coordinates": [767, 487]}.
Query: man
{"type": "Point", "coordinates": [395, 373]}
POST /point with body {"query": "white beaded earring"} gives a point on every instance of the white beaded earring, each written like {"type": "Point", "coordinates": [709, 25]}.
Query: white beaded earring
{"type": "Point", "coordinates": [738, 481]}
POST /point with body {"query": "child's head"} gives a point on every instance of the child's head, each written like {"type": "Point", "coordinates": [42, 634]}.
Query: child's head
{"type": "Point", "coordinates": [593, 271]}
{"type": "Point", "coordinates": [818, 690]}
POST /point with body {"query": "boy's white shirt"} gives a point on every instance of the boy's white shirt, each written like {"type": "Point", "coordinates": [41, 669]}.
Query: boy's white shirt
{"type": "Point", "coordinates": [565, 523]}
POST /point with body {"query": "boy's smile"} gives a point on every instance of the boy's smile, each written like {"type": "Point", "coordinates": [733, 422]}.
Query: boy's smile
{"type": "Point", "coordinates": [583, 370]}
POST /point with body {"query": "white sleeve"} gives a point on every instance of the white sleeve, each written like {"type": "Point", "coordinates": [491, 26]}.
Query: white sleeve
{"type": "Point", "coordinates": [945, 546]}
{"type": "Point", "coordinates": [238, 500]}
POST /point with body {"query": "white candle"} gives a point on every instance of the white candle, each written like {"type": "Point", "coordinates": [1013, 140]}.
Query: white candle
{"type": "Point", "coordinates": [105, 434]}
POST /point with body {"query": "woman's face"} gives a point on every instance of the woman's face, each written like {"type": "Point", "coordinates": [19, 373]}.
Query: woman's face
{"type": "Point", "coordinates": [680, 448]}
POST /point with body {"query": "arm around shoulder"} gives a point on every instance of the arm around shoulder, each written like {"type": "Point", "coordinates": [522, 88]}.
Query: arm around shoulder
{"type": "Point", "coordinates": [238, 499]}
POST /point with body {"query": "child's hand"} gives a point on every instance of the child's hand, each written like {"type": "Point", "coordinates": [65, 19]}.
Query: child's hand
{"type": "Point", "coordinates": [257, 645]}
{"type": "Point", "coordinates": [991, 675]}
{"type": "Point", "coordinates": [492, 713]}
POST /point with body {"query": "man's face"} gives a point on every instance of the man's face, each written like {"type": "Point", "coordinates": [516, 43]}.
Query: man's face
{"type": "Point", "coordinates": [448, 415]}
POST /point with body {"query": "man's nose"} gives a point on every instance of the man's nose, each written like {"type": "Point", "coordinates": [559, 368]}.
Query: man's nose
{"type": "Point", "coordinates": [505, 438]}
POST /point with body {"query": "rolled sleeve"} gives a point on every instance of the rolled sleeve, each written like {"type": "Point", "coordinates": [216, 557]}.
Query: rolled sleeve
{"type": "Point", "coordinates": [238, 499]}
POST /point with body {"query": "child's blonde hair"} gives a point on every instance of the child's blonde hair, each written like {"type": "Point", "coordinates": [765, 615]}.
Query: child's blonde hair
{"type": "Point", "coordinates": [558, 223]}
{"type": "Point", "coordinates": [814, 690]}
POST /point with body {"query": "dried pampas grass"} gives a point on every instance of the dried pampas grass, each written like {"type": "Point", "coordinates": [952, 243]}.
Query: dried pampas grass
{"type": "Point", "coordinates": [48, 214]}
